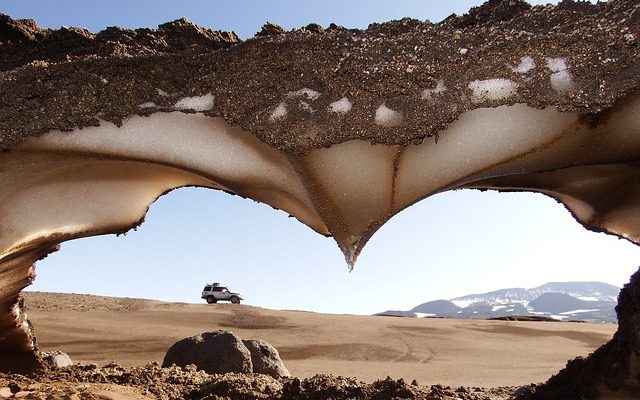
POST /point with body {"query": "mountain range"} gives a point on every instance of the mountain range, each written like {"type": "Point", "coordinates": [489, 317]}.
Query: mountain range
{"type": "Point", "coordinates": [563, 301]}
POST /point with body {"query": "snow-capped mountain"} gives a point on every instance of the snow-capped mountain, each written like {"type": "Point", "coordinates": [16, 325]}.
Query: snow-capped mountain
{"type": "Point", "coordinates": [588, 291]}
{"type": "Point", "coordinates": [585, 301]}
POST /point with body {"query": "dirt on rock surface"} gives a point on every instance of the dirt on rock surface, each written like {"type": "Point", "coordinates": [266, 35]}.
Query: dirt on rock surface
{"type": "Point", "coordinates": [153, 382]}
{"type": "Point", "coordinates": [71, 78]}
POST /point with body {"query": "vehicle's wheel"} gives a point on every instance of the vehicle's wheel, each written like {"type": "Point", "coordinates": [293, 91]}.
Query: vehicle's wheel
{"type": "Point", "coordinates": [211, 299]}
{"type": "Point", "coordinates": [235, 300]}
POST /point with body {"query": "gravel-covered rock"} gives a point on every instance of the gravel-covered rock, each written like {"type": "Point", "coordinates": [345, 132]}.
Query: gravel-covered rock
{"type": "Point", "coordinates": [213, 352]}
{"type": "Point", "coordinates": [265, 358]}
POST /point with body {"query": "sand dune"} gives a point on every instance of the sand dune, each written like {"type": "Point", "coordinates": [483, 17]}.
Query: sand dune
{"type": "Point", "coordinates": [94, 329]}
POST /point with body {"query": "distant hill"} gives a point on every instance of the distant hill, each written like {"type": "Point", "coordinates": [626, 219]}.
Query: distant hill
{"type": "Point", "coordinates": [554, 302]}
{"type": "Point", "coordinates": [436, 307]}
{"type": "Point", "coordinates": [585, 301]}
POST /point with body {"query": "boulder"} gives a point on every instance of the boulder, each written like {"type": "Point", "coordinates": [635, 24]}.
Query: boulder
{"type": "Point", "coordinates": [213, 352]}
{"type": "Point", "coordinates": [265, 358]}
{"type": "Point", "coordinates": [57, 359]}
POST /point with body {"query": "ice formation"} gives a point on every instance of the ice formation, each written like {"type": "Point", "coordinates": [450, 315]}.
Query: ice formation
{"type": "Point", "coordinates": [262, 121]}
{"type": "Point", "coordinates": [492, 89]}
{"type": "Point", "coordinates": [279, 112]}
{"type": "Point", "coordinates": [387, 117]}
{"type": "Point", "coordinates": [428, 94]}
{"type": "Point", "coordinates": [560, 76]}
{"type": "Point", "coordinates": [305, 92]}
{"type": "Point", "coordinates": [341, 106]}
{"type": "Point", "coordinates": [526, 65]}
{"type": "Point", "coordinates": [196, 103]}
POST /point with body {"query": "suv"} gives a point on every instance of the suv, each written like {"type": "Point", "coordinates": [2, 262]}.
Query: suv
{"type": "Point", "coordinates": [213, 293]}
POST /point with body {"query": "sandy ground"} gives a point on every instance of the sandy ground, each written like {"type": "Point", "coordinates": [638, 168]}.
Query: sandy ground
{"type": "Point", "coordinates": [134, 332]}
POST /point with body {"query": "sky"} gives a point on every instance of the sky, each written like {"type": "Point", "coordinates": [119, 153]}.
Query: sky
{"type": "Point", "coordinates": [452, 244]}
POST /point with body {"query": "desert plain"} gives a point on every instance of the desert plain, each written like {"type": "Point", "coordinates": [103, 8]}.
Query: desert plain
{"type": "Point", "coordinates": [135, 332]}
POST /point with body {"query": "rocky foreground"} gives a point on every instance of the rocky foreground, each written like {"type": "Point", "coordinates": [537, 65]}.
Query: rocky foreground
{"type": "Point", "coordinates": [151, 381]}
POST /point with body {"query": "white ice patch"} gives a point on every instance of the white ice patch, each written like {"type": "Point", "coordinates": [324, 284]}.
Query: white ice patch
{"type": "Point", "coordinates": [196, 103]}
{"type": "Point", "coordinates": [305, 92]}
{"type": "Point", "coordinates": [162, 92]}
{"type": "Point", "coordinates": [561, 79]}
{"type": "Point", "coordinates": [463, 303]}
{"type": "Point", "coordinates": [387, 117]}
{"type": "Point", "coordinates": [579, 311]}
{"type": "Point", "coordinates": [557, 64]}
{"type": "Point", "coordinates": [526, 65]}
{"type": "Point", "coordinates": [148, 104]}
{"type": "Point", "coordinates": [423, 315]}
{"type": "Point", "coordinates": [496, 308]}
{"type": "Point", "coordinates": [341, 106]}
{"type": "Point", "coordinates": [427, 94]}
{"type": "Point", "coordinates": [492, 89]}
{"type": "Point", "coordinates": [588, 298]}
{"type": "Point", "coordinates": [278, 112]}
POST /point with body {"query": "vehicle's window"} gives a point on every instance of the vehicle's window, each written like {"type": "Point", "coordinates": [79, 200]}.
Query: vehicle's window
{"type": "Point", "coordinates": [217, 289]}
{"type": "Point", "coordinates": [207, 288]}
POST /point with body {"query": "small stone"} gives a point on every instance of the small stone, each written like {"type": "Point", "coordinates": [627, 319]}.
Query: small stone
{"type": "Point", "coordinates": [270, 29]}
{"type": "Point", "coordinates": [265, 358]}
{"type": "Point", "coordinates": [152, 365]}
{"type": "Point", "coordinates": [315, 28]}
{"type": "Point", "coordinates": [111, 364]}
{"type": "Point", "coordinates": [463, 51]}
{"type": "Point", "coordinates": [522, 391]}
{"type": "Point", "coordinates": [57, 359]}
{"type": "Point", "coordinates": [414, 383]}
{"type": "Point", "coordinates": [630, 38]}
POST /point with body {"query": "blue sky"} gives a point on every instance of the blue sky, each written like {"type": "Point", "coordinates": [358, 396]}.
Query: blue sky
{"type": "Point", "coordinates": [452, 244]}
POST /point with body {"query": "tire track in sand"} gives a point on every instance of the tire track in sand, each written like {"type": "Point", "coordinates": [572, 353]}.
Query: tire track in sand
{"type": "Point", "coordinates": [411, 353]}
